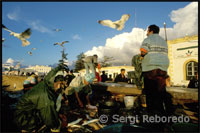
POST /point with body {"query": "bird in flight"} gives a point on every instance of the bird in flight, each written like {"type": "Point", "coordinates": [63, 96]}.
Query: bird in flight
{"type": "Point", "coordinates": [30, 53]}
{"type": "Point", "coordinates": [61, 44]}
{"type": "Point", "coordinates": [22, 36]}
{"type": "Point", "coordinates": [119, 24]}
{"type": "Point", "coordinates": [57, 30]}
{"type": "Point", "coordinates": [33, 48]}
{"type": "Point", "coordinates": [3, 39]}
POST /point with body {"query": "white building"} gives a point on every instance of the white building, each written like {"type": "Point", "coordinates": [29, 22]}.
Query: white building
{"type": "Point", "coordinates": [40, 69]}
{"type": "Point", "coordinates": [7, 66]}
{"type": "Point", "coordinates": [183, 56]}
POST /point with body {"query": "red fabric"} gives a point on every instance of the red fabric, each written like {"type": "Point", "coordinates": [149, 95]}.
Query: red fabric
{"type": "Point", "coordinates": [99, 66]}
{"type": "Point", "coordinates": [98, 77]}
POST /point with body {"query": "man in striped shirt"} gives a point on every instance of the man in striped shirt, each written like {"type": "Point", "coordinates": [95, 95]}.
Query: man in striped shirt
{"type": "Point", "coordinates": [154, 69]}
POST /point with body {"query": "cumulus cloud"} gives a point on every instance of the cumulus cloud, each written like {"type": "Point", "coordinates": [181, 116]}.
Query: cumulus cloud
{"type": "Point", "coordinates": [124, 46]}
{"type": "Point", "coordinates": [76, 37]}
{"type": "Point", "coordinates": [39, 27]}
{"type": "Point", "coordinates": [10, 61]}
{"type": "Point", "coordinates": [14, 15]}
{"type": "Point", "coordinates": [186, 22]}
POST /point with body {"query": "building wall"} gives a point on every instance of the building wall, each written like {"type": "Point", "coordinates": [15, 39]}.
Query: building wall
{"type": "Point", "coordinates": [41, 69]}
{"type": "Point", "coordinates": [179, 57]}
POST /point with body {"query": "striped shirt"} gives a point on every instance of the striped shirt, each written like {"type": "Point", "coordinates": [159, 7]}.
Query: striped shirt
{"type": "Point", "coordinates": [157, 56]}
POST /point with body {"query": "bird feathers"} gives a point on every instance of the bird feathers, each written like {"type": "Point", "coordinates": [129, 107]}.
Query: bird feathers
{"type": "Point", "coordinates": [26, 34]}
{"type": "Point", "coordinates": [119, 24]}
{"type": "Point", "coordinates": [61, 44]}
{"type": "Point", "coordinates": [22, 36]}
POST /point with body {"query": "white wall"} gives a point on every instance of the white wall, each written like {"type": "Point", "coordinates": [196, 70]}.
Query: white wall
{"type": "Point", "coordinates": [179, 57]}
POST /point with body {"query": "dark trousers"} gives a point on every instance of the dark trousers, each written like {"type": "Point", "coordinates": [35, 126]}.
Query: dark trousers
{"type": "Point", "coordinates": [154, 98]}
{"type": "Point", "coordinates": [157, 99]}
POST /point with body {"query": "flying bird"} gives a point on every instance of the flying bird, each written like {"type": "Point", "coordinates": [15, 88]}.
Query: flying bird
{"type": "Point", "coordinates": [119, 24]}
{"type": "Point", "coordinates": [3, 39]}
{"type": "Point", "coordinates": [61, 44]}
{"type": "Point", "coordinates": [57, 30]}
{"type": "Point", "coordinates": [30, 53]}
{"type": "Point", "coordinates": [22, 36]}
{"type": "Point", "coordinates": [33, 48]}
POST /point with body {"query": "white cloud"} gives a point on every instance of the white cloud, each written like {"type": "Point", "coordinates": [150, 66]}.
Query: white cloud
{"type": "Point", "coordinates": [186, 22]}
{"type": "Point", "coordinates": [39, 27]}
{"type": "Point", "coordinates": [10, 61]}
{"type": "Point", "coordinates": [122, 47]}
{"type": "Point", "coordinates": [76, 37]}
{"type": "Point", "coordinates": [14, 15]}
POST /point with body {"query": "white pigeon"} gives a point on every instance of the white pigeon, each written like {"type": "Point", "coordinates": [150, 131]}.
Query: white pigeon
{"type": "Point", "coordinates": [61, 44]}
{"type": "Point", "coordinates": [119, 24]}
{"type": "Point", "coordinates": [57, 30]}
{"type": "Point", "coordinates": [30, 53]}
{"type": "Point", "coordinates": [22, 36]}
{"type": "Point", "coordinates": [33, 48]}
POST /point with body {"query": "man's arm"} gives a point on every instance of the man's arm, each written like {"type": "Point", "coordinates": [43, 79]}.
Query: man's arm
{"type": "Point", "coordinates": [133, 61]}
{"type": "Point", "coordinates": [78, 99]}
{"type": "Point", "coordinates": [145, 45]}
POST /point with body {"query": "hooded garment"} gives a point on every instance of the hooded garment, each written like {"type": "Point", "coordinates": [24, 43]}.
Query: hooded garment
{"type": "Point", "coordinates": [37, 107]}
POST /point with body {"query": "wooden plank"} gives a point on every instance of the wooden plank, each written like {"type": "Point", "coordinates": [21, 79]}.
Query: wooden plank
{"type": "Point", "coordinates": [128, 89]}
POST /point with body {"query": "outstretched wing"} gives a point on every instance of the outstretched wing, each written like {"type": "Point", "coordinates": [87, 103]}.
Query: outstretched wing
{"type": "Point", "coordinates": [25, 43]}
{"type": "Point", "coordinates": [26, 34]}
{"type": "Point", "coordinates": [125, 17]}
{"type": "Point", "coordinates": [30, 53]}
{"type": "Point", "coordinates": [108, 23]}
{"type": "Point", "coordinates": [65, 42]}
{"type": "Point", "coordinates": [5, 28]}
{"type": "Point", "coordinates": [120, 23]}
{"type": "Point", "coordinates": [57, 43]}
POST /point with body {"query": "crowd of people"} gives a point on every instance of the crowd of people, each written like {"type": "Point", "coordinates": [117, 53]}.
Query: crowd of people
{"type": "Point", "coordinates": [41, 103]}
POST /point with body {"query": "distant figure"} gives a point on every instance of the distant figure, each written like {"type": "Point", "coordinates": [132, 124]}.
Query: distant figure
{"type": "Point", "coordinates": [121, 77]}
{"type": "Point", "coordinates": [29, 82]}
{"type": "Point", "coordinates": [194, 83]}
{"type": "Point", "coordinates": [104, 77]}
{"type": "Point", "coordinates": [98, 77]}
{"type": "Point", "coordinates": [15, 85]}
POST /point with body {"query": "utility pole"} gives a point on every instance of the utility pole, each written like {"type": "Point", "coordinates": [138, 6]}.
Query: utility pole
{"type": "Point", "coordinates": [165, 32]}
{"type": "Point", "coordinates": [135, 18]}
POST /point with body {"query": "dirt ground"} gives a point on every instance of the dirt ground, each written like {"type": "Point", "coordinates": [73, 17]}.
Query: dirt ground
{"type": "Point", "coordinates": [11, 80]}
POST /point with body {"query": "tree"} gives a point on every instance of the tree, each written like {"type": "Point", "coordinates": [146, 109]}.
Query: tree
{"type": "Point", "coordinates": [79, 62]}
{"type": "Point", "coordinates": [63, 62]}
{"type": "Point", "coordinates": [106, 60]}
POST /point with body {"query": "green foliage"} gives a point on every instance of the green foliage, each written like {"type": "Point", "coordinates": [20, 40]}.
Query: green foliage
{"type": "Point", "coordinates": [63, 62]}
{"type": "Point", "coordinates": [79, 62]}
{"type": "Point", "coordinates": [106, 61]}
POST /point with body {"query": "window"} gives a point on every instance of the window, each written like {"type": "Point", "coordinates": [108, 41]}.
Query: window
{"type": "Point", "coordinates": [191, 70]}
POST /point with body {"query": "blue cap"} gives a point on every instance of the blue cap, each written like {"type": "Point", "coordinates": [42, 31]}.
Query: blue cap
{"type": "Point", "coordinates": [89, 77]}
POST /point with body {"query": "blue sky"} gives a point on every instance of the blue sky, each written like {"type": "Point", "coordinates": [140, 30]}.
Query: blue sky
{"type": "Point", "coordinates": [78, 21]}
